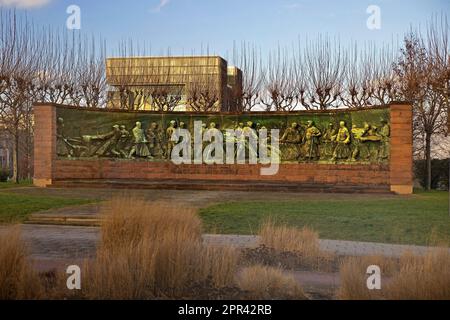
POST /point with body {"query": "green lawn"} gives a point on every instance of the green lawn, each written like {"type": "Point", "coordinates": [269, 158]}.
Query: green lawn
{"type": "Point", "coordinates": [10, 184]}
{"type": "Point", "coordinates": [15, 207]}
{"type": "Point", "coordinates": [419, 219]}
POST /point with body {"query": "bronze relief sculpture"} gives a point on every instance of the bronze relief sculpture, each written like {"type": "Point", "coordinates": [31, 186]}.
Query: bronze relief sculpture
{"type": "Point", "coordinates": [319, 141]}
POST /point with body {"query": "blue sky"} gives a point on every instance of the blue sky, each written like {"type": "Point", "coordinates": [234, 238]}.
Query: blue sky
{"type": "Point", "coordinates": [188, 25]}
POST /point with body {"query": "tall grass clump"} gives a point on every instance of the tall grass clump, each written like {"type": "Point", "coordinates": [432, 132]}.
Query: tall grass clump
{"type": "Point", "coordinates": [423, 277]}
{"type": "Point", "coordinates": [283, 238]}
{"type": "Point", "coordinates": [17, 278]}
{"type": "Point", "coordinates": [262, 283]}
{"type": "Point", "coordinates": [353, 276]}
{"type": "Point", "coordinates": [293, 246]}
{"type": "Point", "coordinates": [154, 250]}
{"type": "Point", "coordinates": [128, 221]}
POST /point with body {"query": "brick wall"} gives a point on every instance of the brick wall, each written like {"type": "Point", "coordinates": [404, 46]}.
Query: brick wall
{"type": "Point", "coordinates": [397, 175]}
{"type": "Point", "coordinates": [44, 144]}
{"type": "Point", "coordinates": [302, 173]}
{"type": "Point", "coordinates": [401, 166]}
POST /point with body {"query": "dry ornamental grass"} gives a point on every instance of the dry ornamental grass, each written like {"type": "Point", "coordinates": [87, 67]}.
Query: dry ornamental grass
{"type": "Point", "coordinates": [17, 278]}
{"type": "Point", "coordinates": [154, 250]}
{"type": "Point", "coordinates": [411, 277]}
{"type": "Point", "coordinates": [264, 283]}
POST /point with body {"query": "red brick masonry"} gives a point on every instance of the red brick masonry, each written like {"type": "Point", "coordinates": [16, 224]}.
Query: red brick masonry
{"type": "Point", "coordinates": [397, 176]}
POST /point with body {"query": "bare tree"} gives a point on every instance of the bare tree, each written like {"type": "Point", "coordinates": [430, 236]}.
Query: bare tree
{"type": "Point", "coordinates": [19, 52]}
{"type": "Point", "coordinates": [91, 77]}
{"type": "Point", "coordinates": [385, 81]}
{"type": "Point", "coordinates": [41, 65]}
{"type": "Point", "coordinates": [324, 69]}
{"type": "Point", "coordinates": [203, 94]}
{"type": "Point", "coordinates": [358, 87]}
{"type": "Point", "coordinates": [166, 88]}
{"type": "Point", "coordinates": [166, 97]}
{"type": "Point", "coordinates": [438, 44]}
{"type": "Point", "coordinates": [279, 83]}
{"type": "Point", "coordinates": [423, 73]}
{"type": "Point", "coordinates": [70, 70]}
{"type": "Point", "coordinates": [124, 76]}
{"type": "Point", "coordinates": [55, 80]}
{"type": "Point", "coordinates": [248, 59]}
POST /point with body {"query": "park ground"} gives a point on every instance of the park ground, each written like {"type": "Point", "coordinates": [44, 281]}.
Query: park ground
{"type": "Point", "coordinates": [378, 229]}
{"type": "Point", "coordinates": [419, 219]}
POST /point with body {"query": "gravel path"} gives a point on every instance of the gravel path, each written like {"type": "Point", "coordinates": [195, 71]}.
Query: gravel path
{"type": "Point", "coordinates": [67, 242]}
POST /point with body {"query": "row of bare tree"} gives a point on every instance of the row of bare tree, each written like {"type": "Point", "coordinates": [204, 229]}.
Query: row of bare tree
{"type": "Point", "coordinates": [41, 65]}
{"type": "Point", "coordinates": [323, 75]}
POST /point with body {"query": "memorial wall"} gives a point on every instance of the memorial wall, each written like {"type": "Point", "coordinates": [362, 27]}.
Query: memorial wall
{"type": "Point", "coordinates": [367, 149]}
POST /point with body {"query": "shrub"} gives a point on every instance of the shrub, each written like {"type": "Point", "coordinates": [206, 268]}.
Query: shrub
{"type": "Point", "coordinates": [439, 172]}
{"type": "Point", "coordinates": [4, 174]}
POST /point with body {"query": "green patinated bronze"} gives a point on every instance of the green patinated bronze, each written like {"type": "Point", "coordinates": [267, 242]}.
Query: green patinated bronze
{"type": "Point", "coordinates": [361, 136]}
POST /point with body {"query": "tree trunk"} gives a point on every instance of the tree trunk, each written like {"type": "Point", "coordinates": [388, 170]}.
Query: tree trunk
{"type": "Point", "coordinates": [428, 160]}
{"type": "Point", "coordinates": [29, 148]}
{"type": "Point", "coordinates": [15, 158]}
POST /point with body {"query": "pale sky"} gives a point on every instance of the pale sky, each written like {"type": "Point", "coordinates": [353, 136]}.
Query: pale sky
{"type": "Point", "coordinates": [191, 26]}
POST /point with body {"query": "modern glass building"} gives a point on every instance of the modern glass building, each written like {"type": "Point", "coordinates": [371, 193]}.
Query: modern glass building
{"type": "Point", "coordinates": [190, 83]}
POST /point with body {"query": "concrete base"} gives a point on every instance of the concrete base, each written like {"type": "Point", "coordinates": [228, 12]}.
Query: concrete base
{"type": "Point", "coordinates": [42, 183]}
{"type": "Point", "coordinates": [402, 189]}
{"type": "Point", "coordinates": [181, 184]}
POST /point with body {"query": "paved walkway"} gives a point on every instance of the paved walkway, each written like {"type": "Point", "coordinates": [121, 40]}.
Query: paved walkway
{"type": "Point", "coordinates": [66, 242]}
{"type": "Point", "coordinates": [340, 247]}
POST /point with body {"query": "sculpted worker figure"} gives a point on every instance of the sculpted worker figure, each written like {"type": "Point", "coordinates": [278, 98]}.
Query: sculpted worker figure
{"type": "Point", "coordinates": [139, 148]}
{"type": "Point", "coordinates": [359, 137]}
{"type": "Point", "coordinates": [123, 144]}
{"type": "Point", "coordinates": [249, 131]}
{"type": "Point", "coordinates": [342, 150]}
{"type": "Point", "coordinates": [290, 143]}
{"type": "Point", "coordinates": [154, 140]}
{"type": "Point", "coordinates": [63, 146]}
{"type": "Point", "coordinates": [292, 134]}
{"type": "Point", "coordinates": [169, 132]}
{"type": "Point", "coordinates": [385, 134]}
{"type": "Point", "coordinates": [312, 141]}
{"type": "Point", "coordinates": [328, 142]}
{"type": "Point", "coordinates": [110, 146]}
{"type": "Point", "coordinates": [212, 131]}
